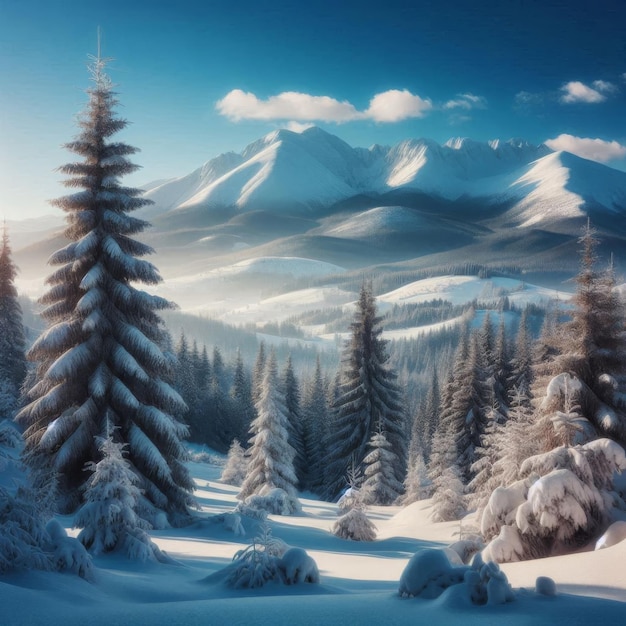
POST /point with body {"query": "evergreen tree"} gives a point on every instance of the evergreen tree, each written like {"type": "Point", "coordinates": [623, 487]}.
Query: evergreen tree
{"type": "Point", "coordinates": [236, 467]}
{"type": "Point", "coordinates": [315, 419]}
{"type": "Point", "coordinates": [583, 376]}
{"type": "Point", "coordinates": [417, 485]}
{"type": "Point", "coordinates": [241, 397]}
{"type": "Point", "coordinates": [258, 373]}
{"type": "Point", "coordinates": [12, 339]}
{"type": "Point", "coordinates": [109, 517]}
{"type": "Point", "coordinates": [292, 404]}
{"type": "Point", "coordinates": [521, 374]}
{"type": "Point", "coordinates": [101, 360]}
{"type": "Point", "coordinates": [270, 454]}
{"type": "Point", "coordinates": [369, 397]}
{"type": "Point", "coordinates": [380, 485]}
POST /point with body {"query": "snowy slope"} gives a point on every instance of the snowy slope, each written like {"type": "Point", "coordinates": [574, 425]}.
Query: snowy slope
{"type": "Point", "coordinates": [463, 289]}
{"type": "Point", "coordinates": [359, 581]}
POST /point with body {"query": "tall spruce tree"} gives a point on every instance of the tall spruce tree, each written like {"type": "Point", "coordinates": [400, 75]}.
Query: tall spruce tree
{"type": "Point", "coordinates": [270, 454]}
{"type": "Point", "coordinates": [314, 429]}
{"type": "Point", "coordinates": [101, 362]}
{"type": "Point", "coordinates": [12, 339]}
{"type": "Point", "coordinates": [369, 398]}
{"type": "Point", "coordinates": [291, 390]}
{"type": "Point", "coordinates": [584, 374]}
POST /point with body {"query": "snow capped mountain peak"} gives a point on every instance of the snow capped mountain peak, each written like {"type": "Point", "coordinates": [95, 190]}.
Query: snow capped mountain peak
{"type": "Point", "coordinates": [295, 173]}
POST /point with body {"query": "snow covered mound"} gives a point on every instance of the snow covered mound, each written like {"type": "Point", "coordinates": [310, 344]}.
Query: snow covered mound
{"type": "Point", "coordinates": [279, 266]}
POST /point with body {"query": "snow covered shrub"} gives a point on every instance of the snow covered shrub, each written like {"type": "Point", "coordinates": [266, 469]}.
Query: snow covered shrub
{"type": "Point", "coordinates": [109, 518]}
{"type": "Point", "coordinates": [298, 567]}
{"type": "Point", "coordinates": [268, 559]}
{"type": "Point", "coordinates": [487, 583]}
{"type": "Point", "coordinates": [250, 511]}
{"type": "Point", "coordinates": [429, 573]}
{"type": "Point", "coordinates": [236, 467]}
{"type": "Point", "coordinates": [23, 537]}
{"type": "Point", "coordinates": [26, 542]}
{"type": "Point", "coordinates": [354, 525]}
{"type": "Point", "coordinates": [67, 553]}
{"type": "Point", "coordinates": [276, 501]}
{"type": "Point", "coordinates": [562, 504]}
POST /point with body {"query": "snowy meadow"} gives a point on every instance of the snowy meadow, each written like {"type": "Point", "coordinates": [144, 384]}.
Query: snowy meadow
{"type": "Point", "coordinates": [359, 581]}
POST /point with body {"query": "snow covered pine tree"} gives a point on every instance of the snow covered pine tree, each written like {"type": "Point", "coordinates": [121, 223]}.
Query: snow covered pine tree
{"type": "Point", "coordinates": [12, 340]}
{"type": "Point", "coordinates": [100, 361]}
{"type": "Point", "coordinates": [369, 398]}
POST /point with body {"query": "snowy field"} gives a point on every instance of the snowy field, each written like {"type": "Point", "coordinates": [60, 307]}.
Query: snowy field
{"type": "Point", "coordinates": [359, 581]}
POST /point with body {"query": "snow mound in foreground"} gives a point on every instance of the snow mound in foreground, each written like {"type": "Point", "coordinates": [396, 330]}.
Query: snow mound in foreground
{"type": "Point", "coordinates": [429, 573]}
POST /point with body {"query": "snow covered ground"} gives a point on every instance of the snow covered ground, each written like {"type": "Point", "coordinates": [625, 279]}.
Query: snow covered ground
{"type": "Point", "coordinates": [359, 581]}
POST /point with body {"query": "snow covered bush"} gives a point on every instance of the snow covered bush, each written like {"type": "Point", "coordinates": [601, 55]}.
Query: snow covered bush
{"type": "Point", "coordinates": [354, 525]}
{"type": "Point", "coordinates": [298, 567]}
{"type": "Point", "coordinates": [565, 499]}
{"type": "Point", "coordinates": [23, 536]}
{"type": "Point", "coordinates": [268, 559]}
{"type": "Point", "coordinates": [275, 501]}
{"type": "Point", "coordinates": [67, 553]}
{"type": "Point", "coordinates": [429, 573]}
{"type": "Point", "coordinates": [109, 518]}
{"type": "Point", "coordinates": [236, 467]}
{"type": "Point", "coordinates": [26, 542]}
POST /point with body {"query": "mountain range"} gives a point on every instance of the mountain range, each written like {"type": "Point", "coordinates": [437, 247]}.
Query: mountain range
{"type": "Point", "coordinates": [411, 207]}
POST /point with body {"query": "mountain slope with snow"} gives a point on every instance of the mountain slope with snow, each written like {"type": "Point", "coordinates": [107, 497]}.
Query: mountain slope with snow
{"type": "Point", "coordinates": [290, 173]}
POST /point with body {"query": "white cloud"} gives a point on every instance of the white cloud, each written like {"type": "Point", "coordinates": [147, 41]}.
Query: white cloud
{"type": "Point", "coordinates": [390, 106]}
{"type": "Point", "coordinates": [290, 105]}
{"type": "Point", "coordinates": [395, 105]}
{"type": "Point", "coordinates": [466, 101]}
{"type": "Point", "coordinates": [593, 149]}
{"type": "Point", "coordinates": [575, 91]}
{"type": "Point", "coordinates": [604, 86]}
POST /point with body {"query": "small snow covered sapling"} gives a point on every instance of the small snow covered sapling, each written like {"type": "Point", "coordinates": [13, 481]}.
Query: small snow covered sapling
{"type": "Point", "coordinates": [353, 523]}
{"type": "Point", "coordinates": [236, 466]}
{"type": "Point", "coordinates": [268, 559]}
{"type": "Point", "coordinates": [109, 518]}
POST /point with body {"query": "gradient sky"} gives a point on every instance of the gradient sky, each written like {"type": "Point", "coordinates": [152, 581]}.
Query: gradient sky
{"type": "Point", "coordinates": [199, 78]}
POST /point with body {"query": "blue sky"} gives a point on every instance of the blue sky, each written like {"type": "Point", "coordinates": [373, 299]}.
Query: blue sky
{"type": "Point", "coordinates": [199, 78]}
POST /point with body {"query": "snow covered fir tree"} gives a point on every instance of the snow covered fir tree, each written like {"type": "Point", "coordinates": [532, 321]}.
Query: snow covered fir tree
{"type": "Point", "coordinates": [101, 361]}
{"type": "Point", "coordinates": [369, 399]}
{"type": "Point", "coordinates": [12, 337]}
{"type": "Point", "coordinates": [271, 456]}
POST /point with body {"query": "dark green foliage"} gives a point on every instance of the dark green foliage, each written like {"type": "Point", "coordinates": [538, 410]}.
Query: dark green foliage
{"type": "Point", "coordinates": [369, 398]}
